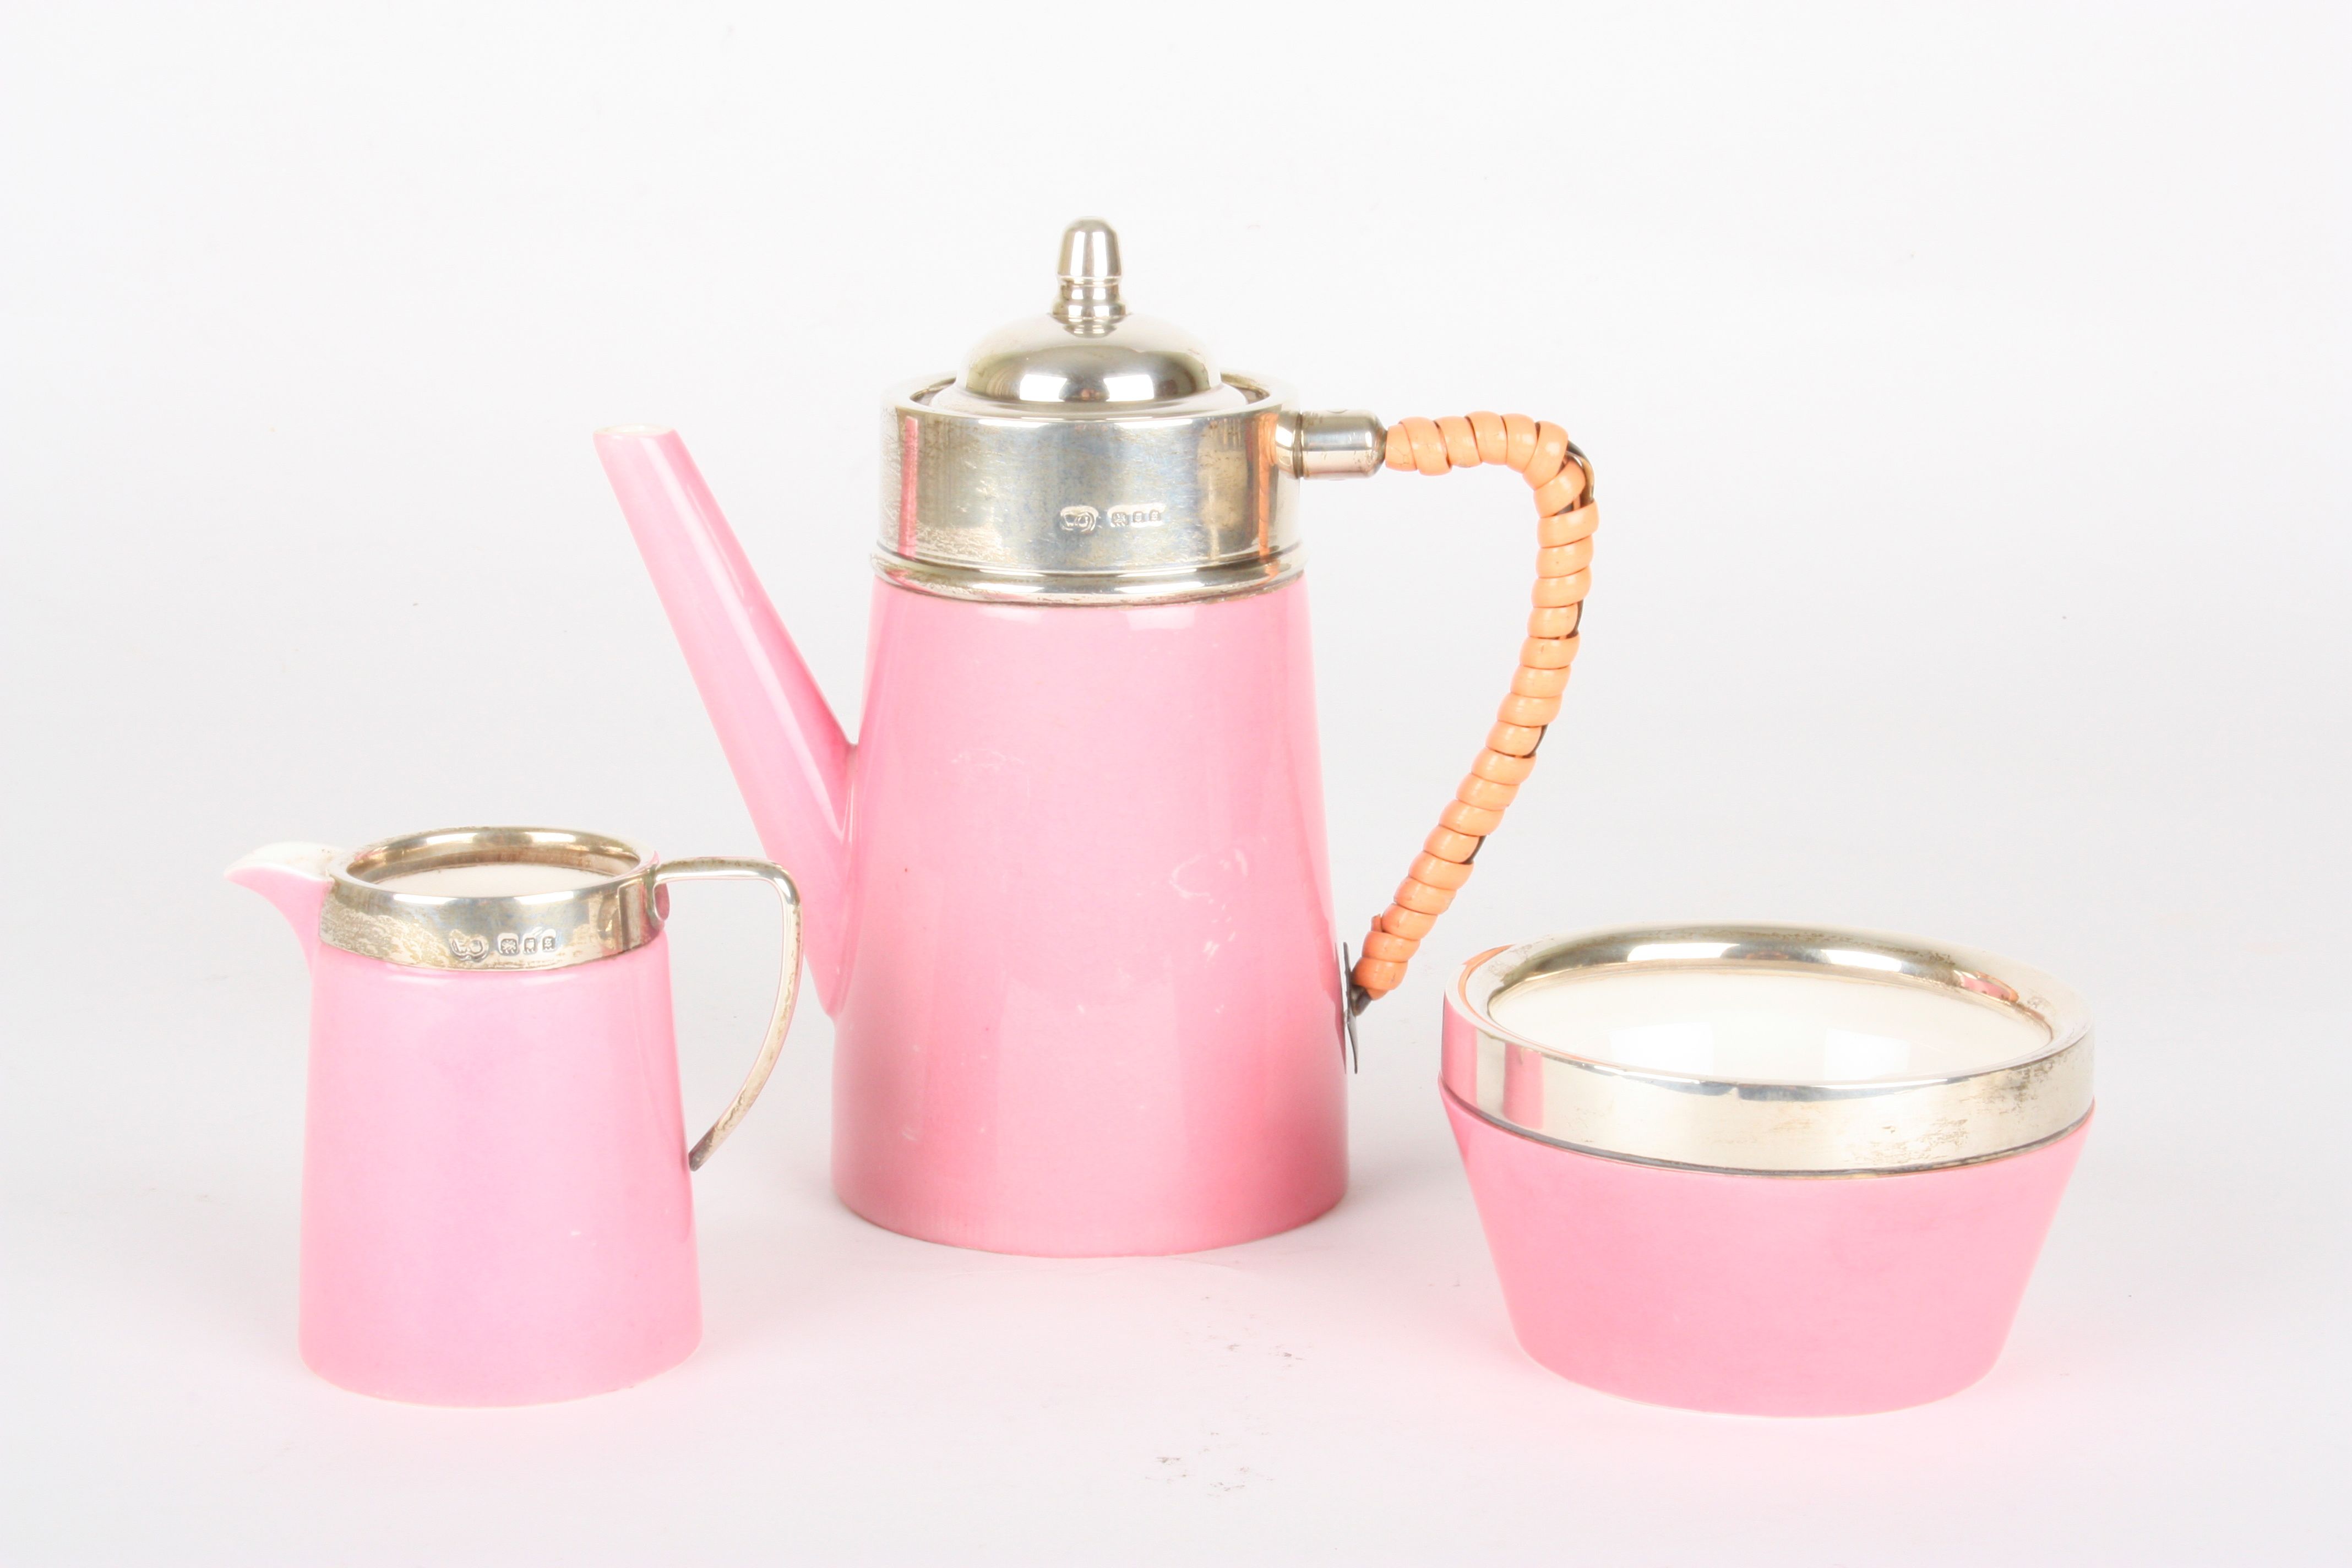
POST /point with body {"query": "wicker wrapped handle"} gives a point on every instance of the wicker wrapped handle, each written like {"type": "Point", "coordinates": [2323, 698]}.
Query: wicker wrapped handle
{"type": "Point", "coordinates": [1562, 481]}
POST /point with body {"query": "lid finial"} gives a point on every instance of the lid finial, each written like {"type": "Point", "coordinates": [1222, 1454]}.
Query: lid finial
{"type": "Point", "coordinates": [1089, 300]}
{"type": "Point", "coordinates": [1089, 352]}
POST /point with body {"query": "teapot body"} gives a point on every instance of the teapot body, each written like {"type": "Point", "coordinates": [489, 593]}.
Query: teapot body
{"type": "Point", "coordinates": [1090, 1000]}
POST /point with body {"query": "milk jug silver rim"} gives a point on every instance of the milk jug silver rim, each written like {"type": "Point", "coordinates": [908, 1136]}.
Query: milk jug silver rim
{"type": "Point", "coordinates": [1870, 1127]}
{"type": "Point", "coordinates": [621, 911]}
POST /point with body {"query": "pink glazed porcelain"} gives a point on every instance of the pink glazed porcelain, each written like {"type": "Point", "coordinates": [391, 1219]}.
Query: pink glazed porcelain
{"type": "Point", "coordinates": [495, 1197]}
{"type": "Point", "coordinates": [1089, 1001]}
{"type": "Point", "coordinates": [1068, 899]}
{"type": "Point", "coordinates": [1874, 1262]}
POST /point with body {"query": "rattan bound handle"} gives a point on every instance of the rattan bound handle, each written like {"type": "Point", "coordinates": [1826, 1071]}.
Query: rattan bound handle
{"type": "Point", "coordinates": [1562, 481]}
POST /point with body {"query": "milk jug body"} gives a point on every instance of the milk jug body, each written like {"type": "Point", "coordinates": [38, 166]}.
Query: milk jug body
{"type": "Point", "coordinates": [494, 1198]}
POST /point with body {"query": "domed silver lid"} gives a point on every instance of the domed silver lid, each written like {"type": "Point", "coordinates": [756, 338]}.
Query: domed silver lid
{"type": "Point", "coordinates": [1093, 456]}
{"type": "Point", "coordinates": [1089, 351]}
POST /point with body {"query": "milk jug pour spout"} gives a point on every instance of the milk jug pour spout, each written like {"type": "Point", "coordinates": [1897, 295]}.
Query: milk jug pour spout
{"type": "Point", "coordinates": [1068, 896]}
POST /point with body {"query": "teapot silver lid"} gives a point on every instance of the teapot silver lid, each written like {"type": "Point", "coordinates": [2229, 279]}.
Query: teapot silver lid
{"type": "Point", "coordinates": [1090, 349]}
{"type": "Point", "coordinates": [1093, 456]}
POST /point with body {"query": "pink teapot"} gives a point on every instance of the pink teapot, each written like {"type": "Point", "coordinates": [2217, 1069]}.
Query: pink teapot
{"type": "Point", "coordinates": [1067, 897]}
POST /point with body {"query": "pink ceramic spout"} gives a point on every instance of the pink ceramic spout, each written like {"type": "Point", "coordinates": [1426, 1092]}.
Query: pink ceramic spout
{"type": "Point", "coordinates": [294, 878]}
{"type": "Point", "coordinates": [789, 757]}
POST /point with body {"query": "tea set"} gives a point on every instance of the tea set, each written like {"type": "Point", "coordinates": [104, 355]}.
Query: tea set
{"type": "Point", "coordinates": [1066, 898]}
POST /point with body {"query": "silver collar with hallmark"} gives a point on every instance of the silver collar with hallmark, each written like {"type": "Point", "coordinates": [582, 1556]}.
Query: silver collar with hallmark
{"type": "Point", "coordinates": [373, 907]}
{"type": "Point", "coordinates": [1698, 1122]}
{"type": "Point", "coordinates": [1093, 456]}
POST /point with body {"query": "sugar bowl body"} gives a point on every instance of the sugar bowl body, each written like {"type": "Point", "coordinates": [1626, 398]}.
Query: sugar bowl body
{"type": "Point", "coordinates": [1762, 1169]}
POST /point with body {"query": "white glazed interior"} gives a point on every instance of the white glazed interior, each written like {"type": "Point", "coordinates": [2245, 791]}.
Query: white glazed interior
{"type": "Point", "coordinates": [1767, 1026]}
{"type": "Point", "coordinates": [493, 879]}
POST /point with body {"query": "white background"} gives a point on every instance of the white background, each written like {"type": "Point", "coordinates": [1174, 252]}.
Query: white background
{"type": "Point", "coordinates": [1966, 387]}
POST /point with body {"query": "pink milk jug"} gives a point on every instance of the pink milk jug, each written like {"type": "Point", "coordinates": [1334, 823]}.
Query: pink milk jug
{"type": "Point", "coordinates": [1068, 896]}
{"type": "Point", "coordinates": [495, 1207]}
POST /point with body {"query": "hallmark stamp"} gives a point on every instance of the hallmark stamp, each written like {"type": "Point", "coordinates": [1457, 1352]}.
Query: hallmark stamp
{"type": "Point", "coordinates": [505, 944]}
{"type": "Point", "coordinates": [1134, 514]}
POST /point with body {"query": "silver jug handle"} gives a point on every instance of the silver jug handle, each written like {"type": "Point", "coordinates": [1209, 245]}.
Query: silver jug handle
{"type": "Point", "coordinates": [787, 983]}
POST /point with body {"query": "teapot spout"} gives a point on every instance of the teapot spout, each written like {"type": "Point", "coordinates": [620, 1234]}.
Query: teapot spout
{"type": "Point", "coordinates": [294, 876]}
{"type": "Point", "coordinates": [789, 757]}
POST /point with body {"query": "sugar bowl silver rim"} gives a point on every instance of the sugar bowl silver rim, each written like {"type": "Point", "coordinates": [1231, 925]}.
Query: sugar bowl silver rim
{"type": "Point", "coordinates": [529, 930]}
{"type": "Point", "coordinates": [1873, 1128]}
